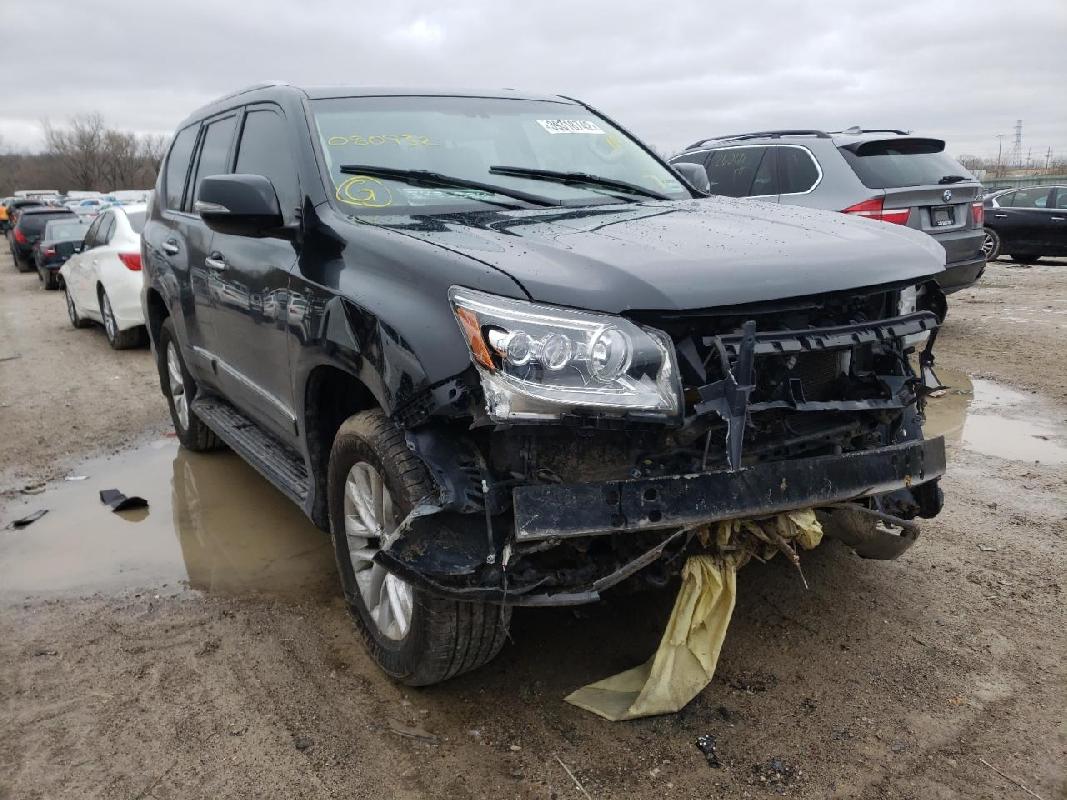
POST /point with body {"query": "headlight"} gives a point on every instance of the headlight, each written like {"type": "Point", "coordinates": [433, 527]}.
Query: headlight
{"type": "Point", "coordinates": [538, 362]}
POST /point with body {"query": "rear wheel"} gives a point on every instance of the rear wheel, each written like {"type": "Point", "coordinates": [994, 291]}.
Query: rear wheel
{"type": "Point", "coordinates": [374, 481]}
{"type": "Point", "coordinates": [1023, 258]}
{"type": "Point", "coordinates": [991, 245]}
{"type": "Point", "coordinates": [180, 391]}
{"type": "Point", "coordinates": [51, 279]}
{"type": "Point", "coordinates": [72, 311]}
{"type": "Point", "coordinates": [118, 339]}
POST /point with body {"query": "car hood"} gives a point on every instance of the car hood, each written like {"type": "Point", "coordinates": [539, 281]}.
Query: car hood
{"type": "Point", "coordinates": [702, 253]}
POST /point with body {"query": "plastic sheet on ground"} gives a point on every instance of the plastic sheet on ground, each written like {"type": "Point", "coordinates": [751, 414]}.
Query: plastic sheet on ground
{"type": "Point", "coordinates": [687, 655]}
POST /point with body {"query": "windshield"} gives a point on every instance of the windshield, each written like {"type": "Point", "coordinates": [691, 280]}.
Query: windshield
{"type": "Point", "coordinates": [462, 137]}
{"type": "Point", "coordinates": [896, 163]}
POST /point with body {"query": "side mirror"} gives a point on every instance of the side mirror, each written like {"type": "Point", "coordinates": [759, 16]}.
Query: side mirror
{"type": "Point", "coordinates": [240, 205]}
{"type": "Point", "coordinates": [693, 174]}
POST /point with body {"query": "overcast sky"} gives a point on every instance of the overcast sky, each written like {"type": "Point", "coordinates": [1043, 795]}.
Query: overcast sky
{"type": "Point", "coordinates": [672, 72]}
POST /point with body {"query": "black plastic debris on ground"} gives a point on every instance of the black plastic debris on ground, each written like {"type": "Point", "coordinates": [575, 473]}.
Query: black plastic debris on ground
{"type": "Point", "coordinates": [29, 519]}
{"type": "Point", "coordinates": [706, 745]}
{"type": "Point", "coordinates": [117, 501]}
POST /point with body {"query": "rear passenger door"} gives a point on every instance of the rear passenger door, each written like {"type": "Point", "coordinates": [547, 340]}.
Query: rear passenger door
{"type": "Point", "coordinates": [252, 273]}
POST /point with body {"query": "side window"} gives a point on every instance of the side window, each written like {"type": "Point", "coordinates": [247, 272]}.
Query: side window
{"type": "Point", "coordinates": [90, 235]}
{"type": "Point", "coordinates": [1061, 198]}
{"type": "Point", "coordinates": [1036, 197]}
{"type": "Point", "coordinates": [181, 152]}
{"type": "Point", "coordinates": [732, 169]}
{"type": "Point", "coordinates": [765, 181]}
{"type": "Point", "coordinates": [697, 157]}
{"type": "Point", "coordinates": [797, 171]}
{"type": "Point", "coordinates": [1005, 200]}
{"type": "Point", "coordinates": [214, 152]}
{"type": "Point", "coordinates": [264, 150]}
{"type": "Point", "coordinates": [107, 227]}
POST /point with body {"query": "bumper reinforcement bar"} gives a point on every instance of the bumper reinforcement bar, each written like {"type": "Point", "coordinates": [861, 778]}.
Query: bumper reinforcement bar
{"type": "Point", "coordinates": [558, 511]}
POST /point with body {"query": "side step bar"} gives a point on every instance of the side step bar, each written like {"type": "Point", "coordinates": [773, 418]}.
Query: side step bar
{"type": "Point", "coordinates": [273, 460]}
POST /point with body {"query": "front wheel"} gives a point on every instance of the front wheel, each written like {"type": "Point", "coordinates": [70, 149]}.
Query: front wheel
{"type": "Point", "coordinates": [72, 311]}
{"type": "Point", "coordinates": [374, 481]}
{"type": "Point", "coordinates": [991, 245]}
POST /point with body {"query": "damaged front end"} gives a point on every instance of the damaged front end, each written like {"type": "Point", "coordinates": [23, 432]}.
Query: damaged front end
{"type": "Point", "coordinates": [585, 449]}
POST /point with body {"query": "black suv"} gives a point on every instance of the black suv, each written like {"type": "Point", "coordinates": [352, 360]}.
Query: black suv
{"type": "Point", "coordinates": [28, 229]}
{"type": "Point", "coordinates": [508, 357]}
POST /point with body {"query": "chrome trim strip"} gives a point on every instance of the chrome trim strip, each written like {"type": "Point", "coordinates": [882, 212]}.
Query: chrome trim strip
{"type": "Point", "coordinates": [247, 382]}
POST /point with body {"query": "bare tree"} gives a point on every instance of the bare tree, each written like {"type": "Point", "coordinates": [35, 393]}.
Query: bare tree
{"type": "Point", "coordinates": [78, 147]}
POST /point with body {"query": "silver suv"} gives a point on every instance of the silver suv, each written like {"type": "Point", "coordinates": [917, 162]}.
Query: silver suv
{"type": "Point", "coordinates": [886, 175]}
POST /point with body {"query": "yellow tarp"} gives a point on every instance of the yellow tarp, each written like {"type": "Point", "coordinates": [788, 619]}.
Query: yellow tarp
{"type": "Point", "coordinates": [685, 661]}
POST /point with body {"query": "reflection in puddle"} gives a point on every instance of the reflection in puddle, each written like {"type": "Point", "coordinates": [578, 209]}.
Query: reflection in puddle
{"type": "Point", "coordinates": [213, 523]}
{"type": "Point", "coordinates": [993, 419]}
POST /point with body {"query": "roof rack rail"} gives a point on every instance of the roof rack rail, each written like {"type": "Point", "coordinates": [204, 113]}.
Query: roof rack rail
{"type": "Point", "coordinates": [762, 135]}
{"type": "Point", "coordinates": [856, 130]}
{"type": "Point", "coordinates": [254, 87]}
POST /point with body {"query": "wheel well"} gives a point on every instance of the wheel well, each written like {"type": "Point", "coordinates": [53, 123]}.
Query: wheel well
{"type": "Point", "coordinates": [330, 397]}
{"type": "Point", "coordinates": [157, 313]}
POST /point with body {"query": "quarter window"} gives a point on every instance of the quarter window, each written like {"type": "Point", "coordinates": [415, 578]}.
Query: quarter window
{"type": "Point", "coordinates": [797, 171]}
{"type": "Point", "coordinates": [214, 151]}
{"type": "Point", "coordinates": [731, 170]}
{"type": "Point", "coordinates": [265, 150]}
{"type": "Point", "coordinates": [181, 152]}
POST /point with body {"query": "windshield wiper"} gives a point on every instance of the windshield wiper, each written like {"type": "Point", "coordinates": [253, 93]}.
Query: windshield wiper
{"type": "Point", "coordinates": [577, 179]}
{"type": "Point", "coordinates": [953, 179]}
{"type": "Point", "coordinates": [435, 180]}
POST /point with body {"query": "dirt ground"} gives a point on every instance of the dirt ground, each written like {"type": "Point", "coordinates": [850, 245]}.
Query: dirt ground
{"type": "Point", "coordinates": [178, 657]}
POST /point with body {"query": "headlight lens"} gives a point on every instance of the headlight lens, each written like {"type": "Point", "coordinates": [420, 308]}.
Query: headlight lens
{"type": "Point", "coordinates": [909, 302]}
{"type": "Point", "coordinates": [538, 362]}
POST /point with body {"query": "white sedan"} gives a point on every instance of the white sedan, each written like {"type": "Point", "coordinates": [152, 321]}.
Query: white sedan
{"type": "Point", "coordinates": [103, 282]}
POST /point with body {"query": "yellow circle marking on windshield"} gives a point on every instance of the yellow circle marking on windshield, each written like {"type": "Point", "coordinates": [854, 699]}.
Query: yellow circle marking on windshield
{"type": "Point", "coordinates": [359, 191]}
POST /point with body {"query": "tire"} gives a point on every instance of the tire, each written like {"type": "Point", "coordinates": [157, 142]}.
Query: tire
{"type": "Point", "coordinates": [75, 319]}
{"type": "Point", "coordinates": [443, 638]}
{"type": "Point", "coordinates": [991, 245]}
{"type": "Point", "coordinates": [51, 280]}
{"type": "Point", "coordinates": [1024, 258]}
{"type": "Point", "coordinates": [22, 264]}
{"type": "Point", "coordinates": [191, 431]}
{"type": "Point", "coordinates": [118, 339]}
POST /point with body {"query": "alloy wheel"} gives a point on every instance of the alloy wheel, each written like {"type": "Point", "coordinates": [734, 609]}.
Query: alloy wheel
{"type": "Point", "coordinates": [989, 246]}
{"type": "Point", "coordinates": [176, 379]}
{"type": "Point", "coordinates": [370, 521]}
{"type": "Point", "coordinates": [110, 325]}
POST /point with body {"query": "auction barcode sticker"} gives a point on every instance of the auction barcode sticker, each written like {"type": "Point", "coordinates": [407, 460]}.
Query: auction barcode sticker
{"type": "Point", "coordinates": [570, 126]}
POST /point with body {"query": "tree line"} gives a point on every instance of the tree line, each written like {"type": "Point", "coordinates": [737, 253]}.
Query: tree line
{"type": "Point", "coordinates": [85, 153]}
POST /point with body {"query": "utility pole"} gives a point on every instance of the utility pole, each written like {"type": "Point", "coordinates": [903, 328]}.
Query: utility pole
{"type": "Point", "coordinates": [1048, 157]}
{"type": "Point", "coordinates": [1000, 149]}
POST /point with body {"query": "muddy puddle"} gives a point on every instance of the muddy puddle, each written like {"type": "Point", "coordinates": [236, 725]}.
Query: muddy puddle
{"type": "Point", "coordinates": [996, 420]}
{"type": "Point", "coordinates": [212, 525]}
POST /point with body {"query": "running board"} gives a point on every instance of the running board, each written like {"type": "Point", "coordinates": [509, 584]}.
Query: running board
{"type": "Point", "coordinates": [273, 460]}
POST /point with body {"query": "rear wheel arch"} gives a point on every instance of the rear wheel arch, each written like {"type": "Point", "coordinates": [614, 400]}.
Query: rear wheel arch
{"type": "Point", "coordinates": [156, 312]}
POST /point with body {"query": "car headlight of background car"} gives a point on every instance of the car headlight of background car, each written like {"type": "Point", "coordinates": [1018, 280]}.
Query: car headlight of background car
{"type": "Point", "coordinates": [539, 362]}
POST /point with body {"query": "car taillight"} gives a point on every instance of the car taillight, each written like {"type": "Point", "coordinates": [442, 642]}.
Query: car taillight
{"type": "Point", "coordinates": [874, 209]}
{"type": "Point", "coordinates": [131, 260]}
{"type": "Point", "coordinates": [978, 213]}
{"type": "Point", "coordinates": [49, 251]}
{"type": "Point", "coordinates": [20, 237]}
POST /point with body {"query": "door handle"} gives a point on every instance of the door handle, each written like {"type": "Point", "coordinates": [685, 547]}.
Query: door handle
{"type": "Point", "coordinates": [1057, 219]}
{"type": "Point", "coordinates": [1001, 216]}
{"type": "Point", "coordinates": [170, 247]}
{"type": "Point", "coordinates": [215, 261]}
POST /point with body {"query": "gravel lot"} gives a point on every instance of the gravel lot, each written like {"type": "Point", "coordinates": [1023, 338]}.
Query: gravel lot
{"type": "Point", "coordinates": [202, 650]}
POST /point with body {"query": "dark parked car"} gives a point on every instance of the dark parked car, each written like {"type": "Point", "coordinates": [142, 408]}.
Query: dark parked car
{"type": "Point", "coordinates": [61, 239]}
{"type": "Point", "coordinates": [1026, 224]}
{"type": "Point", "coordinates": [518, 361]}
{"type": "Point", "coordinates": [27, 232]}
{"type": "Point", "coordinates": [886, 175]}
{"type": "Point", "coordinates": [14, 207]}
